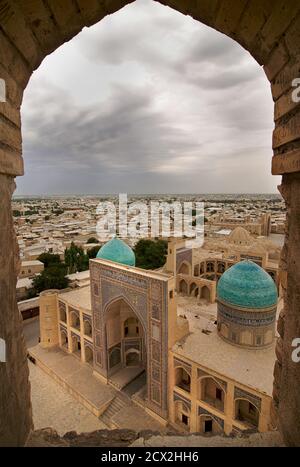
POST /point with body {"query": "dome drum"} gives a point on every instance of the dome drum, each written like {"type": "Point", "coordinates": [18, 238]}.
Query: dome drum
{"type": "Point", "coordinates": [246, 329]}
{"type": "Point", "coordinates": [247, 303]}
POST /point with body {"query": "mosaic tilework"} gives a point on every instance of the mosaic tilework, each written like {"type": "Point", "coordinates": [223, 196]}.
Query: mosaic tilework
{"type": "Point", "coordinates": [147, 297]}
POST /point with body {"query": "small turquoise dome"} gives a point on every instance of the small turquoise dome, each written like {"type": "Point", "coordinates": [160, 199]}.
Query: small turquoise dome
{"type": "Point", "coordinates": [247, 285]}
{"type": "Point", "coordinates": [118, 251]}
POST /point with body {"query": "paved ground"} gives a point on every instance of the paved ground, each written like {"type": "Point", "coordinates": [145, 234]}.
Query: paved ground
{"type": "Point", "coordinates": [51, 404]}
{"type": "Point", "coordinates": [54, 407]}
{"type": "Point", "coordinates": [31, 329]}
{"type": "Point", "coordinates": [76, 375]}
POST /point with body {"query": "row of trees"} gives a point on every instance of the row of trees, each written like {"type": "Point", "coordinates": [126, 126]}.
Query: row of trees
{"type": "Point", "coordinates": [150, 254]}
{"type": "Point", "coordinates": [55, 270]}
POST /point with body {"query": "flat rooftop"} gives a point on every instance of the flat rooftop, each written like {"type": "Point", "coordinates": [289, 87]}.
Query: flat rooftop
{"type": "Point", "coordinates": [79, 275]}
{"type": "Point", "coordinates": [78, 298]}
{"type": "Point", "coordinates": [24, 282]}
{"type": "Point", "coordinates": [252, 368]}
{"type": "Point", "coordinates": [32, 263]}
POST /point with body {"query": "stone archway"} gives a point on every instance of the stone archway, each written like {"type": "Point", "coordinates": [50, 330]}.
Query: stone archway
{"type": "Point", "coordinates": [125, 339]}
{"type": "Point", "coordinates": [246, 412]}
{"type": "Point", "coordinates": [32, 30]}
{"type": "Point", "coordinates": [183, 287]}
{"type": "Point", "coordinates": [205, 293]}
{"type": "Point", "coordinates": [184, 268]}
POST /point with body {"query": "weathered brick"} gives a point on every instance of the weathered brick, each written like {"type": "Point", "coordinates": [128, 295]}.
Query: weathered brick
{"type": "Point", "coordinates": [287, 132]}
{"type": "Point", "coordinates": [276, 62]}
{"type": "Point", "coordinates": [288, 162]}
{"type": "Point", "coordinates": [254, 17]}
{"type": "Point", "coordinates": [13, 63]}
{"type": "Point", "coordinates": [41, 23]}
{"type": "Point", "coordinates": [10, 135]}
{"type": "Point", "coordinates": [282, 15]}
{"type": "Point", "coordinates": [91, 11]}
{"type": "Point", "coordinates": [66, 16]}
{"type": "Point", "coordinates": [203, 10]}
{"type": "Point", "coordinates": [285, 104]}
{"type": "Point", "coordinates": [11, 162]}
{"type": "Point", "coordinates": [14, 92]}
{"type": "Point", "coordinates": [16, 29]}
{"type": "Point", "coordinates": [228, 16]}
{"type": "Point", "coordinates": [277, 372]}
{"type": "Point", "coordinates": [283, 80]}
{"type": "Point", "coordinates": [292, 37]}
{"type": "Point", "coordinates": [11, 113]}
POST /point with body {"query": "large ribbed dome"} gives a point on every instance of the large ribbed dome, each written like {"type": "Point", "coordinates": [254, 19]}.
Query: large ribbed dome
{"type": "Point", "coordinates": [247, 285]}
{"type": "Point", "coordinates": [118, 251]}
{"type": "Point", "coordinates": [240, 236]}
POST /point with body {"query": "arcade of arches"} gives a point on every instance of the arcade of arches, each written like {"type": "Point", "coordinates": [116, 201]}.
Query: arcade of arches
{"type": "Point", "coordinates": [269, 30]}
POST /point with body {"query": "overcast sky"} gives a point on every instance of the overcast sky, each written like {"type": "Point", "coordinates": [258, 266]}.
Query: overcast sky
{"type": "Point", "coordinates": [148, 101]}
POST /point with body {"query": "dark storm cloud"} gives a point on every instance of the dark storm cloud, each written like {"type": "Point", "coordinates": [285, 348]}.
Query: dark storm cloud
{"type": "Point", "coordinates": [147, 100]}
{"type": "Point", "coordinates": [125, 135]}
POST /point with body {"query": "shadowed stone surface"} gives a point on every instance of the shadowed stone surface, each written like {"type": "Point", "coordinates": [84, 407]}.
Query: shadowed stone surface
{"type": "Point", "coordinates": [121, 438]}
{"type": "Point", "coordinates": [15, 406]}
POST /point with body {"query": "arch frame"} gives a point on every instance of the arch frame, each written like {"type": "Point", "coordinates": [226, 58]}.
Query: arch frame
{"type": "Point", "coordinates": [270, 37]}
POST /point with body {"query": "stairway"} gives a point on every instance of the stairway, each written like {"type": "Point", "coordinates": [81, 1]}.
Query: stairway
{"type": "Point", "coordinates": [118, 403]}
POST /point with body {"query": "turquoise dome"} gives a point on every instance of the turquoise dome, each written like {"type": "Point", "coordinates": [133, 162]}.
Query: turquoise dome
{"type": "Point", "coordinates": [247, 285]}
{"type": "Point", "coordinates": [118, 251]}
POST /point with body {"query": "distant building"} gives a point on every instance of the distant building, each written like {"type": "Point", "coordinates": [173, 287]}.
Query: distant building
{"type": "Point", "coordinates": [31, 268]}
{"type": "Point", "coordinates": [260, 226]}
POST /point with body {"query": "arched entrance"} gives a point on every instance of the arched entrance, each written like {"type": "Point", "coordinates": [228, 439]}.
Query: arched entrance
{"type": "Point", "coordinates": [209, 426]}
{"type": "Point", "coordinates": [87, 326]}
{"type": "Point", "coordinates": [74, 320]}
{"type": "Point", "coordinates": [205, 293]}
{"type": "Point", "coordinates": [76, 346]}
{"type": "Point", "coordinates": [88, 352]}
{"type": "Point", "coordinates": [64, 339]}
{"type": "Point", "coordinates": [182, 415]}
{"type": "Point", "coordinates": [183, 287]}
{"type": "Point", "coordinates": [182, 379]}
{"type": "Point", "coordinates": [194, 290]}
{"type": "Point", "coordinates": [211, 392]}
{"type": "Point", "coordinates": [247, 413]}
{"type": "Point", "coordinates": [125, 340]}
{"type": "Point", "coordinates": [268, 30]}
{"type": "Point", "coordinates": [184, 268]}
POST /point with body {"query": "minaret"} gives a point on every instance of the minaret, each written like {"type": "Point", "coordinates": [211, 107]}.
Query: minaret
{"type": "Point", "coordinates": [48, 318]}
{"type": "Point", "coordinates": [171, 258]}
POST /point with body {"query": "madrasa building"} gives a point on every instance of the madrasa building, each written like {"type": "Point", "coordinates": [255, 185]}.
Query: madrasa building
{"type": "Point", "coordinates": [205, 365]}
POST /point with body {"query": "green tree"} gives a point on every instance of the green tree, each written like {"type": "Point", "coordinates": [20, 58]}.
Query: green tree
{"type": "Point", "coordinates": [54, 277]}
{"type": "Point", "coordinates": [49, 259]}
{"type": "Point", "coordinates": [92, 252]}
{"type": "Point", "coordinates": [92, 240]}
{"type": "Point", "coordinates": [150, 254]}
{"type": "Point", "coordinates": [16, 213]}
{"type": "Point", "coordinates": [75, 259]}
